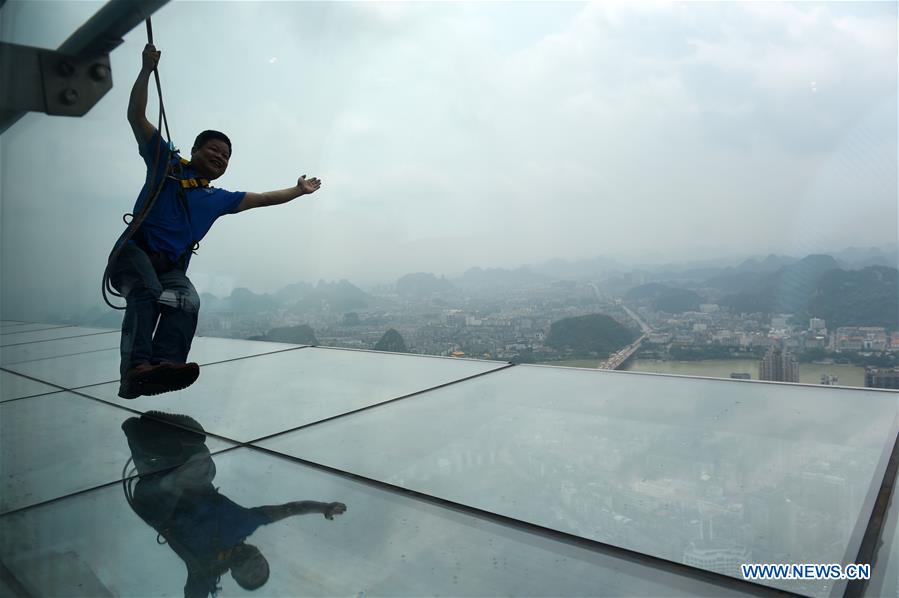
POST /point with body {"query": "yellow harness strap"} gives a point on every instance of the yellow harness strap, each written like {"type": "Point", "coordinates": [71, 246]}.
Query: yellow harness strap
{"type": "Point", "coordinates": [192, 183]}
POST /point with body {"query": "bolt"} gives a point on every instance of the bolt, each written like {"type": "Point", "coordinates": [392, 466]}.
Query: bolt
{"type": "Point", "coordinates": [69, 97]}
{"type": "Point", "coordinates": [65, 68]}
{"type": "Point", "coordinates": [100, 72]}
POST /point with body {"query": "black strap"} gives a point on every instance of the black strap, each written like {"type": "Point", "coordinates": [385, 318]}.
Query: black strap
{"type": "Point", "coordinates": [179, 172]}
{"type": "Point", "coordinates": [182, 195]}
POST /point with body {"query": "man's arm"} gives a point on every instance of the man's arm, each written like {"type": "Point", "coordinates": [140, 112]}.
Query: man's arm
{"type": "Point", "coordinates": [303, 507]}
{"type": "Point", "coordinates": [137, 105]}
{"type": "Point", "coordinates": [273, 198]}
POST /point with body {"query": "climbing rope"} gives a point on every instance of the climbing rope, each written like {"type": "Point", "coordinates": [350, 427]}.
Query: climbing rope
{"type": "Point", "coordinates": [136, 221]}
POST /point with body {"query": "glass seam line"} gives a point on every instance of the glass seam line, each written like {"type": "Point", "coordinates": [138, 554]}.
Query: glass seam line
{"type": "Point", "coordinates": [42, 394]}
{"type": "Point", "coordinates": [8, 363]}
{"type": "Point", "coordinates": [441, 357]}
{"type": "Point", "coordinates": [33, 379]}
{"type": "Point", "coordinates": [57, 356]}
{"type": "Point", "coordinates": [867, 551]}
{"type": "Point", "coordinates": [235, 444]}
{"type": "Point", "coordinates": [382, 403]}
{"type": "Point", "coordinates": [102, 486]}
{"type": "Point", "coordinates": [40, 329]}
{"type": "Point", "coordinates": [47, 340]}
{"type": "Point", "coordinates": [80, 391]}
{"type": "Point", "coordinates": [134, 411]}
{"type": "Point", "coordinates": [673, 567]}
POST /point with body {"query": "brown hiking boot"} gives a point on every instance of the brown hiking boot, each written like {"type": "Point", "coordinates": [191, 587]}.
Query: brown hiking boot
{"type": "Point", "coordinates": [147, 379]}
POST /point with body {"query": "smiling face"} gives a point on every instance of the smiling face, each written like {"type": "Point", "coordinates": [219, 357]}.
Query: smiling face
{"type": "Point", "coordinates": [211, 159]}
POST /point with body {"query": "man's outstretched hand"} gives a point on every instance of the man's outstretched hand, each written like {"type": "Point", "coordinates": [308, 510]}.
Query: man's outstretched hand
{"type": "Point", "coordinates": [334, 508]}
{"type": "Point", "coordinates": [308, 186]}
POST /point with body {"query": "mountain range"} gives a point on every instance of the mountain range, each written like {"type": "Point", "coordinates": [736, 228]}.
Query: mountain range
{"type": "Point", "coordinates": [814, 286]}
{"type": "Point", "coordinates": [850, 286]}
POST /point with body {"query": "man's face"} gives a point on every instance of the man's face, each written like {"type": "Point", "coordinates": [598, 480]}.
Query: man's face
{"type": "Point", "coordinates": [211, 159]}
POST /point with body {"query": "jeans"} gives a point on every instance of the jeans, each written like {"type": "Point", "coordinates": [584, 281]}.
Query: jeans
{"type": "Point", "coordinates": [135, 278]}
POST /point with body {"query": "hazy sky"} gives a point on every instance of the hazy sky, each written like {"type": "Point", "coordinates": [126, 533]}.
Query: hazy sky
{"type": "Point", "coordinates": [450, 135]}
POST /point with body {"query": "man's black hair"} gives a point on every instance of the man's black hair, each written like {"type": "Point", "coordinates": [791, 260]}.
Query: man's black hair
{"type": "Point", "coordinates": [208, 135]}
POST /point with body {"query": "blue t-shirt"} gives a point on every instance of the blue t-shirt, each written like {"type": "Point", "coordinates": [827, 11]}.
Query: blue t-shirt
{"type": "Point", "coordinates": [167, 228]}
{"type": "Point", "coordinates": [207, 523]}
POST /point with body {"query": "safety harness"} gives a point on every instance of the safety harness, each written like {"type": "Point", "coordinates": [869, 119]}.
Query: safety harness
{"type": "Point", "coordinates": [187, 183]}
{"type": "Point", "coordinates": [161, 262]}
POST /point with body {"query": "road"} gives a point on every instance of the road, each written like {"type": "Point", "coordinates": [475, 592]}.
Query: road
{"type": "Point", "coordinates": [616, 360]}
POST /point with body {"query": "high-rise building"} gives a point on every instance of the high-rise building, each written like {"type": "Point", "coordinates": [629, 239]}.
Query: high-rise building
{"type": "Point", "coordinates": [817, 324]}
{"type": "Point", "coordinates": [779, 365]}
{"type": "Point", "coordinates": [882, 377]}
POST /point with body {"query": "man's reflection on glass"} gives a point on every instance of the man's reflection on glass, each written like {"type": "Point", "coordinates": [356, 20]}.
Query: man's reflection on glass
{"type": "Point", "coordinates": [205, 528]}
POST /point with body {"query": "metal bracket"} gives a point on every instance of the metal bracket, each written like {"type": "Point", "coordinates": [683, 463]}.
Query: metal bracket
{"type": "Point", "coordinates": [70, 80]}
{"type": "Point", "coordinates": [48, 81]}
{"type": "Point", "coordinates": [73, 85]}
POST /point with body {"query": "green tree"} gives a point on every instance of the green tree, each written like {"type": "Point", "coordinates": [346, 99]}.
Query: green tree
{"type": "Point", "coordinates": [392, 341]}
{"type": "Point", "coordinates": [593, 333]}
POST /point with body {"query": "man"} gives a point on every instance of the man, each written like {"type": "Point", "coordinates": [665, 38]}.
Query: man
{"type": "Point", "coordinates": [149, 270]}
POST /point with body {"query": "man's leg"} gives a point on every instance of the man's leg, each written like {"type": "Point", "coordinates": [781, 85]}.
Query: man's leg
{"type": "Point", "coordinates": [134, 277]}
{"type": "Point", "coordinates": [180, 307]}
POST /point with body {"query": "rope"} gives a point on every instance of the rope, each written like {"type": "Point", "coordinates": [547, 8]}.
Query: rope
{"type": "Point", "coordinates": [136, 220]}
{"type": "Point", "coordinates": [158, 84]}
{"type": "Point", "coordinates": [126, 482]}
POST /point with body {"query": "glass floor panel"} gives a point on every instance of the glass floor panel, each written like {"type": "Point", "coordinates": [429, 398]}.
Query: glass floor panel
{"type": "Point", "coordinates": [58, 347]}
{"type": "Point", "coordinates": [13, 386]}
{"type": "Point", "coordinates": [251, 398]}
{"type": "Point", "coordinates": [244, 517]}
{"type": "Point", "coordinates": [10, 326]}
{"type": "Point", "coordinates": [57, 444]}
{"type": "Point", "coordinates": [708, 472]}
{"type": "Point", "coordinates": [15, 337]}
{"type": "Point", "coordinates": [75, 371]}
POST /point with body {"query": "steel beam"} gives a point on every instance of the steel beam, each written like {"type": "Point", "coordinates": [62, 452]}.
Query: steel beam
{"type": "Point", "coordinates": [70, 80]}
